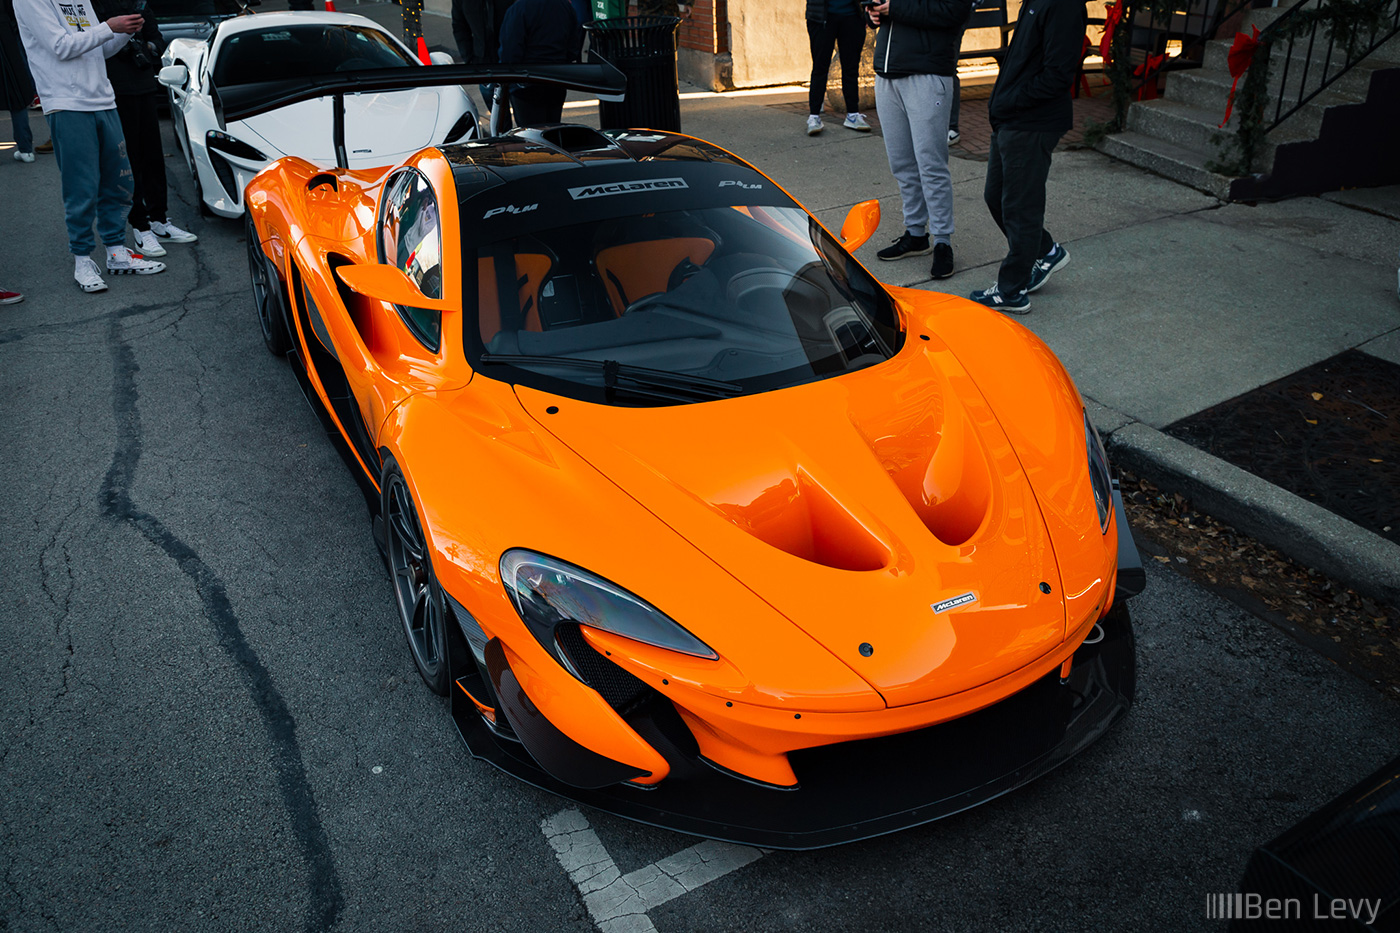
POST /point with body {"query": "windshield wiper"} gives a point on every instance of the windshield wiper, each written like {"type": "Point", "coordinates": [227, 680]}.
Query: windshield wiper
{"type": "Point", "coordinates": [619, 376]}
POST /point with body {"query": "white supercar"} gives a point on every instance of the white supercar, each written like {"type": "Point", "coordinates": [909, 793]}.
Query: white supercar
{"type": "Point", "coordinates": [380, 128]}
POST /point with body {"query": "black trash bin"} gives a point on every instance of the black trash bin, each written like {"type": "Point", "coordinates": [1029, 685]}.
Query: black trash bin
{"type": "Point", "coordinates": [644, 49]}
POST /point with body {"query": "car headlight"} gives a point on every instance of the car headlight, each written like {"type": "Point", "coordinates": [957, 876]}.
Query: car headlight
{"type": "Point", "coordinates": [232, 145]}
{"type": "Point", "coordinates": [548, 593]}
{"type": "Point", "coordinates": [1099, 477]}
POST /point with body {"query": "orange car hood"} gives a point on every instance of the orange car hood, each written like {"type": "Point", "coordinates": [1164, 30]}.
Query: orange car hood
{"type": "Point", "coordinates": [883, 512]}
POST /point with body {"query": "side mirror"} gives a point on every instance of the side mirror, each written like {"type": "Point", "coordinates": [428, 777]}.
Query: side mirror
{"type": "Point", "coordinates": [441, 58]}
{"type": "Point", "coordinates": [174, 76]}
{"type": "Point", "coordinates": [388, 284]}
{"type": "Point", "coordinates": [861, 224]}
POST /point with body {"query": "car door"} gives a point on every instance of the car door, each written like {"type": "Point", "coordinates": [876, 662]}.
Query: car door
{"type": "Point", "coordinates": [379, 353]}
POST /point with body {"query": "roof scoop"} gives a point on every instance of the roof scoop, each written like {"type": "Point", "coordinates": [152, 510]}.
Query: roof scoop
{"type": "Point", "coordinates": [569, 137]}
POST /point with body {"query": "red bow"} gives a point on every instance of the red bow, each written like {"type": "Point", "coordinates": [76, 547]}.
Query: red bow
{"type": "Point", "coordinates": [1112, 18]}
{"type": "Point", "coordinates": [1240, 58]}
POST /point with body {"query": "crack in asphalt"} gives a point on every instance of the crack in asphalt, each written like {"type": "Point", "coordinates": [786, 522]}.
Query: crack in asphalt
{"type": "Point", "coordinates": [323, 881]}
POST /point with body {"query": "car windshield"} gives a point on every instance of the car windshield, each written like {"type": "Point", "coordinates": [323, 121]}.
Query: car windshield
{"type": "Point", "coordinates": [674, 306]}
{"type": "Point", "coordinates": [300, 51]}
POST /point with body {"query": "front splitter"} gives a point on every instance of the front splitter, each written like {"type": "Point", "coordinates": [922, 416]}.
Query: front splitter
{"type": "Point", "coordinates": [856, 790]}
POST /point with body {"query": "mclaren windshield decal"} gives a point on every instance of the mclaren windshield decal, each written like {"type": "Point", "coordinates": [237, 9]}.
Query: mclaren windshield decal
{"type": "Point", "coordinates": [626, 187]}
{"type": "Point", "coordinates": [954, 602]}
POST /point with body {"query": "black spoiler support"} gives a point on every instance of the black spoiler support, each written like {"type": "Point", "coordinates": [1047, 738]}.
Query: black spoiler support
{"type": "Point", "coordinates": [242, 101]}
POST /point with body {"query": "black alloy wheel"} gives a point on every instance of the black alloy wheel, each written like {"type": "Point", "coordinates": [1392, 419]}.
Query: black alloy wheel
{"type": "Point", "coordinates": [267, 295]}
{"type": "Point", "coordinates": [422, 608]}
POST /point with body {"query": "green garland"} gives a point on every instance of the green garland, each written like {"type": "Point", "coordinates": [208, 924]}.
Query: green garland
{"type": "Point", "coordinates": [1343, 21]}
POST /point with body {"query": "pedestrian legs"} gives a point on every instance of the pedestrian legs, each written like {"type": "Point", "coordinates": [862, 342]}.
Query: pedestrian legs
{"type": "Point", "coordinates": [1017, 168]}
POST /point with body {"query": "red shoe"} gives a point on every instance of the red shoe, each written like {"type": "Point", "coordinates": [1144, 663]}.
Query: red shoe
{"type": "Point", "coordinates": [10, 298]}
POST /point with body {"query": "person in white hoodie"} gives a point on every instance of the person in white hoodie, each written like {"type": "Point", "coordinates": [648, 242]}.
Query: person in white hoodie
{"type": "Point", "coordinates": [68, 47]}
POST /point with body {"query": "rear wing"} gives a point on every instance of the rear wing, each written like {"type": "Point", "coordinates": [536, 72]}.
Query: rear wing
{"type": "Point", "coordinates": [242, 101]}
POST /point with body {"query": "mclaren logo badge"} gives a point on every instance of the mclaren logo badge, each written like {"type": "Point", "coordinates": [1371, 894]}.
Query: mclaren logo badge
{"type": "Point", "coordinates": [626, 187]}
{"type": "Point", "coordinates": [954, 602]}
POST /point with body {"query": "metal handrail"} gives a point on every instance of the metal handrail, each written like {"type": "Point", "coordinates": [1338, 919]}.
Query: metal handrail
{"type": "Point", "coordinates": [1191, 41]}
{"type": "Point", "coordinates": [1353, 54]}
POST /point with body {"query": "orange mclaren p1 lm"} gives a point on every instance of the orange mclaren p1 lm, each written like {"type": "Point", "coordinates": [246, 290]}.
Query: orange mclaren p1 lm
{"type": "Point", "coordinates": [691, 518]}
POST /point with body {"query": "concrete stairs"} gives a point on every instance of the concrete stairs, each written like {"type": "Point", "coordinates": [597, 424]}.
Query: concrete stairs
{"type": "Point", "coordinates": [1179, 134]}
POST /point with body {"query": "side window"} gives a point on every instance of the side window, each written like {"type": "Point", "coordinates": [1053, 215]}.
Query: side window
{"type": "Point", "coordinates": [410, 237]}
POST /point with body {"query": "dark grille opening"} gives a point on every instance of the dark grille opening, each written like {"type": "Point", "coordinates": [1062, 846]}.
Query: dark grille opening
{"type": "Point", "coordinates": [620, 689]}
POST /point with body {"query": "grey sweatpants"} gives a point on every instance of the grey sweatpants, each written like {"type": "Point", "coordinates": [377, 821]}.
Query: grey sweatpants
{"type": "Point", "coordinates": [914, 119]}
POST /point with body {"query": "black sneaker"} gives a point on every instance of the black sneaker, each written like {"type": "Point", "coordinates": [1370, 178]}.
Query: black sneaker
{"type": "Point", "coordinates": [906, 245]}
{"type": "Point", "coordinates": [942, 261]}
{"type": "Point", "coordinates": [1019, 303]}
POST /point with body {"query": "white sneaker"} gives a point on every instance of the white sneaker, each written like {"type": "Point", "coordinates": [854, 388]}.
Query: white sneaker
{"type": "Point", "coordinates": [122, 261]}
{"type": "Point", "coordinates": [856, 121]}
{"type": "Point", "coordinates": [168, 231]}
{"type": "Point", "coordinates": [814, 124]}
{"type": "Point", "coordinates": [147, 244]}
{"type": "Point", "coordinates": [24, 156]}
{"type": "Point", "coordinates": [953, 137]}
{"type": "Point", "coordinates": [86, 275]}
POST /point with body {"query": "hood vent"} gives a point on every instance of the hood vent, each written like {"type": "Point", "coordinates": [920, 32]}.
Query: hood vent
{"type": "Point", "coordinates": [797, 515]}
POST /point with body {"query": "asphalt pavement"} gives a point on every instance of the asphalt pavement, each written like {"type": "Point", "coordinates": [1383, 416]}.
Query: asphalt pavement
{"type": "Point", "coordinates": [211, 721]}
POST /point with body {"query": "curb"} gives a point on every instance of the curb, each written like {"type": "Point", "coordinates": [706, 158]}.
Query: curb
{"type": "Point", "coordinates": [1303, 530]}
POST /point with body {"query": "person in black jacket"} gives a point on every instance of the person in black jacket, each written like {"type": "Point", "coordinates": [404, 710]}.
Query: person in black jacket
{"type": "Point", "coordinates": [539, 32]}
{"type": "Point", "coordinates": [835, 24]}
{"type": "Point", "coordinates": [916, 57]}
{"type": "Point", "coordinates": [132, 72]}
{"type": "Point", "coordinates": [1030, 110]}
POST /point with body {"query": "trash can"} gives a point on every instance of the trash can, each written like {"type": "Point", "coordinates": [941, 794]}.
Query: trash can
{"type": "Point", "coordinates": [644, 49]}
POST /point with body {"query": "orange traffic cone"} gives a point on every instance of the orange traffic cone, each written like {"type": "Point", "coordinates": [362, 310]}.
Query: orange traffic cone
{"type": "Point", "coordinates": [422, 49]}
{"type": "Point", "coordinates": [330, 6]}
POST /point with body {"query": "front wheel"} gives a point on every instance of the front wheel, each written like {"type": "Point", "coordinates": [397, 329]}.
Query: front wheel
{"type": "Point", "coordinates": [267, 295]}
{"type": "Point", "coordinates": [419, 599]}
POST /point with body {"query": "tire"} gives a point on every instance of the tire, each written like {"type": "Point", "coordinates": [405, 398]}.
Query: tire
{"type": "Point", "coordinates": [267, 295]}
{"type": "Point", "coordinates": [419, 599]}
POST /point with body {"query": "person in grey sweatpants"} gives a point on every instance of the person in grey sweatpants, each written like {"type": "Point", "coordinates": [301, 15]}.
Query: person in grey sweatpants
{"type": "Point", "coordinates": [916, 58]}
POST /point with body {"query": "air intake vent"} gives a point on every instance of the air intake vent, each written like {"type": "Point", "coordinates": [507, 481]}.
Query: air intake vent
{"type": "Point", "coordinates": [574, 138]}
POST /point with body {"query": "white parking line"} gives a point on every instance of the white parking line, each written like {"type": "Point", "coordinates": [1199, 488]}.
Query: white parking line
{"type": "Point", "coordinates": [619, 903]}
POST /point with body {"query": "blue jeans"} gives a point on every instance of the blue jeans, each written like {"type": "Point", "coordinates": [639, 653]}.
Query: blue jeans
{"type": "Point", "coordinates": [24, 137]}
{"type": "Point", "coordinates": [97, 181]}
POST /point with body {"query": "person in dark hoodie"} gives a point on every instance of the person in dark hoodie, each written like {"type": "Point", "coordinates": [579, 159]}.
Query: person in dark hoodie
{"type": "Point", "coordinates": [1030, 109]}
{"type": "Point", "coordinates": [132, 72]}
{"type": "Point", "coordinates": [916, 57]}
{"type": "Point", "coordinates": [539, 32]}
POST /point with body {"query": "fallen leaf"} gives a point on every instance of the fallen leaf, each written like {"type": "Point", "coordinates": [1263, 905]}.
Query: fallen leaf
{"type": "Point", "coordinates": [1317, 396]}
{"type": "Point", "coordinates": [1165, 560]}
{"type": "Point", "coordinates": [1310, 420]}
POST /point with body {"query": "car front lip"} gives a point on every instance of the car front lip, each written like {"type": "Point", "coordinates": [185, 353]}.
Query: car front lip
{"type": "Point", "coordinates": [856, 790]}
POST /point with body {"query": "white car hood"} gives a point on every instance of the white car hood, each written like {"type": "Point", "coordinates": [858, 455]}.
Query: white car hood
{"type": "Point", "coordinates": [378, 127]}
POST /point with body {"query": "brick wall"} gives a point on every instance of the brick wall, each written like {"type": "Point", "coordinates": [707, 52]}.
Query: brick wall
{"type": "Point", "coordinates": [706, 29]}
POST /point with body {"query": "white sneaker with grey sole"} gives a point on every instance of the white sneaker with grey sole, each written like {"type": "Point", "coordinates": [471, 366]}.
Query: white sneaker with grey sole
{"type": "Point", "coordinates": [168, 231]}
{"type": "Point", "coordinates": [147, 244]}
